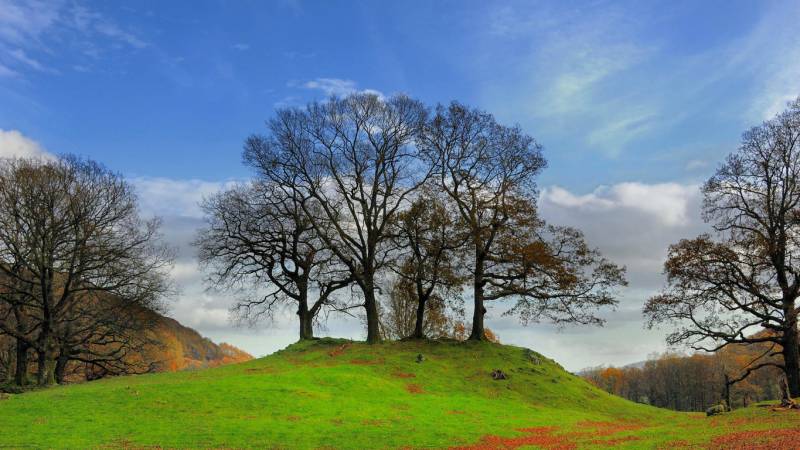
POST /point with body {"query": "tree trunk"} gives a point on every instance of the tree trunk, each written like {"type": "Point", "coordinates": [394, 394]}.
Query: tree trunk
{"type": "Point", "coordinates": [21, 369]}
{"type": "Point", "coordinates": [46, 362]}
{"type": "Point", "coordinates": [419, 332]}
{"type": "Point", "coordinates": [44, 370]}
{"type": "Point", "coordinates": [791, 354]}
{"type": "Point", "coordinates": [61, 369]}
{"type": "Point", "coordinates": [478, 332]}
{"type": "Point", "coordinates": [371, 307]}
{"type": "Point", "coordinates": [728, 391]}
{"type": "Point", "coordinates": [306, 321]}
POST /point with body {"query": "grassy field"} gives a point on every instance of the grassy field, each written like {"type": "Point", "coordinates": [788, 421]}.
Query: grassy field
{"type": "Point", "coordinates": [341, 394]}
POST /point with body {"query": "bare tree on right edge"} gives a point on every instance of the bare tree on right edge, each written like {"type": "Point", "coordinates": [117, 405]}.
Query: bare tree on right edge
{"type": "Point", "coordinates": [740, 285]}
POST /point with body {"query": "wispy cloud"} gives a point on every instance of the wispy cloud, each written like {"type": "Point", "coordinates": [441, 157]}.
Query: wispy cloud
{"type": "Point", "coordinates": [6, 72]}
{"type": "Point", "coordinates": [771, 53]}
{"type": "Point", "coordinates": [572, 57]}
{"type": "Point", "coordinates": [696, 164]}
{"type": "Point", "coordinates": [600, 75]}
{"type": "Point", "coordinates": [30, 29]}
{"type": "Point", "coordinates": [22, 22]}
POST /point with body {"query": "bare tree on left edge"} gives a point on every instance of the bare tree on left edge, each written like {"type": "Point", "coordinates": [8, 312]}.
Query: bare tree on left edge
{"type": "Point", "coordinates": [80, 259]}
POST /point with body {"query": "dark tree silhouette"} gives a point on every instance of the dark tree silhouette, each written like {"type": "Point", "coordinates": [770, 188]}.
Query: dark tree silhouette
{"type": "Point", "coordinates": [72, 243]}
{"type": "Point", "coordinates": [258, 235]}
{"type": "Point", "coordinates": [725, 287]}
{"type": "Point", "coordinates": [354, 161]}
{"type": "Point", "coordinates": [489, 170]}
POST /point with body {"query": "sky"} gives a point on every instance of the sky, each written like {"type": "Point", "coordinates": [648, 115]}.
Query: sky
{"type": "Point", "coordinates": [635, 103]}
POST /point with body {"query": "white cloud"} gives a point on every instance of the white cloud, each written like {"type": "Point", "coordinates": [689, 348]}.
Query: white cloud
{"type": "Point", "coordinates": [332, 86]}
{"type": "Point", "coordinates": [166, 196]}
{"type": "Point", "coordinates": [668, 202]}
{"type": "Point", "coordinates": [633, 224]}
{"type": "Point", "coordinates": [336, 87]}
{"type": "Point", "coordinates": [14, 144]}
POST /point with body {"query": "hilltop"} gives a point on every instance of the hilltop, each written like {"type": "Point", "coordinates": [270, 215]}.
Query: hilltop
{"type": "Point", "coordinates": [343, 394]}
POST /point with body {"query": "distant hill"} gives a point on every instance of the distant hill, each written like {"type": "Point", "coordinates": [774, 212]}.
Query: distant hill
{"type": "Point", "coordinates": [184, 348]}
{"type": "Point", "coordinates": [350, 395]}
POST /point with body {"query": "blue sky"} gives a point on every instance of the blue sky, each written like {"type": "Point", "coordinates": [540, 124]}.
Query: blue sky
{"type": "Point", "coordinates": [634, 102]}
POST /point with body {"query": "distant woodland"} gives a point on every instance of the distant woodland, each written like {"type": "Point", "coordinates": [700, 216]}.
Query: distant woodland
{"type": "Point", "coordinates": [692, 383]}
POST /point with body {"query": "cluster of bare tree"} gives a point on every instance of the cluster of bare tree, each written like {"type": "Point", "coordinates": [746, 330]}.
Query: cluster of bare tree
{"type": "Point", "coordinates": [77, 267]}
{"type": "Point", "coordinates": [360, 196]}
{"type": "Point", "coordinates": [690, 383]}
{"type": "Point", "coordinates": [726, 287]}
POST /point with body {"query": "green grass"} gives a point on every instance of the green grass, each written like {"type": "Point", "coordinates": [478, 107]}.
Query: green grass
{"type": "Point", "coordinates": [344, 394]}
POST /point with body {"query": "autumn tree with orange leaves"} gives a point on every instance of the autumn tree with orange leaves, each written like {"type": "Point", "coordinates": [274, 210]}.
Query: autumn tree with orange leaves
{"type": "Point", "coordinates": [725, 286]}
{"type": "Point", "coordinates": [489, 172]}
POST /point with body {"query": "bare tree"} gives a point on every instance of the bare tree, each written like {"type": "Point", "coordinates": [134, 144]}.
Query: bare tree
{"type": "Point", "coordinates": [354, 159]}
{"type": "Point", "coordinates": [259, 236]}
{"type": "Point", "coordinates": [725, 287]}
{"type": "Point", "coordinates": [70, 237]}
{"type": "Point", "coordinates": [489, 170]}
{"type": "Point", "coordinates": [431, 268]}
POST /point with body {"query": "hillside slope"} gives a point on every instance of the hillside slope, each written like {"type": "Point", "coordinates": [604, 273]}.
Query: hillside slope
{"type": "Point", "coordinates": [184, 348]}
{"type": "Point", "coordinates": [343, 394]}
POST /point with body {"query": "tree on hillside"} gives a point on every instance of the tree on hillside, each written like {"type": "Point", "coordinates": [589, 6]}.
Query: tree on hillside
{"type": "Point", "coordinates": [71, 241]}
{"type": "Point", "coordinates": [258, 235]}
{"type": "Point", "coordinates": [353, 158]}
{"type": "Point", "coordinates": [15, 314]}
{"type": "Point", "coordinates": [400, 313]}
{"type": "Point", "coordinates": [489, 170]}
{"type": "Point", "coordinates": [725, 286]}
{"type": "Point", "coordinates": [430, 270]}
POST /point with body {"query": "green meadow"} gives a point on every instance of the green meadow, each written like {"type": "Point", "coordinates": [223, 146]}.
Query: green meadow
{"type": "Point", "coordinates": [341, 394]}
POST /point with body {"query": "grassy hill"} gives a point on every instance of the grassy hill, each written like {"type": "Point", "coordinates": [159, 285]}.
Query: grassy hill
{"type": "Point", "coordinates": [341, 394]}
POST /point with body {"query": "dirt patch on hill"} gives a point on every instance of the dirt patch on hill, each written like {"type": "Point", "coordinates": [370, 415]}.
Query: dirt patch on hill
{"type": "Point", "coordinates": [607, 428]}
{"type": "Point", "coordinates": [541, 437]}
{"type": "Point", "coordinates": [761, 439]}
{"type": "Point", "coordinates": [414, 388]}
{"type": "Point", "coordinates": [597, 434]}
{"type": "Point", "coordinates": [403, 375]}
{"type": "Point", "coordinates": [338, 350]}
